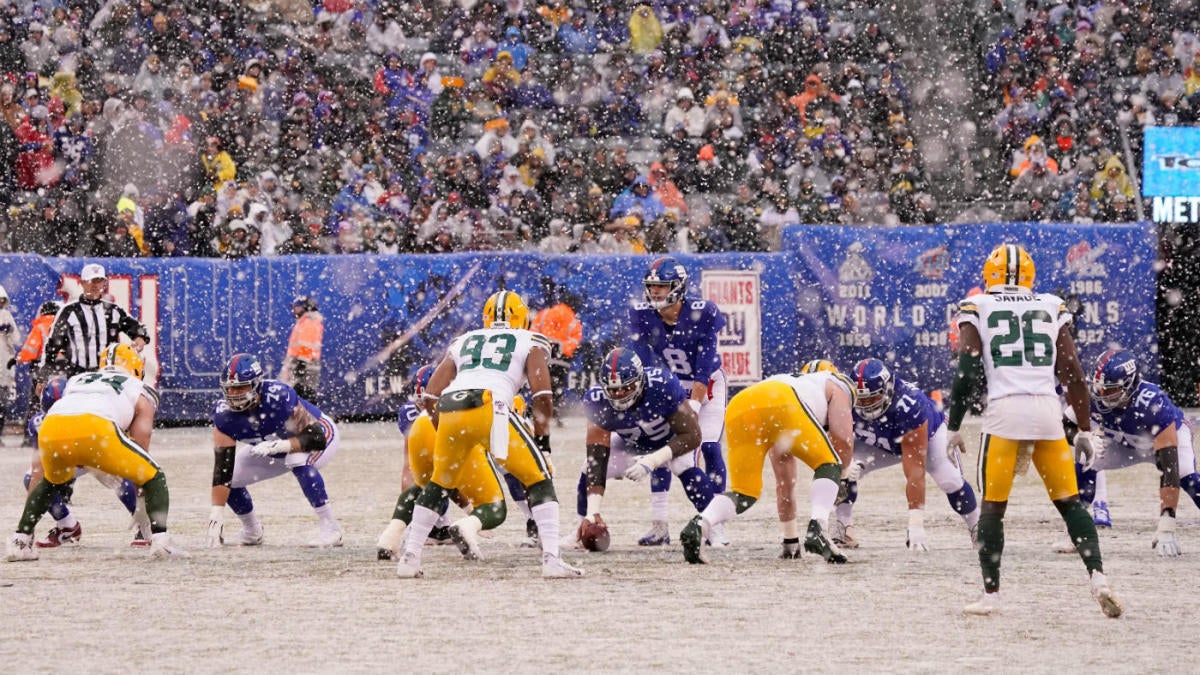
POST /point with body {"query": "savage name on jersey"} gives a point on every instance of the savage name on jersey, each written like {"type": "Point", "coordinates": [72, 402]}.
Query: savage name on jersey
{"type": "Point", "coordinates": [689, 348]}
{"type": "Point", "coordinates": [268, 420]}
{"type": "Point", "coordinates": [909, 409]}
{"type": "Point", "coordinates": [644, 427]}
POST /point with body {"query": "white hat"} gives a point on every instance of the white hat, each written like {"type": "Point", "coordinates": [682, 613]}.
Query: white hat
{"type": "Point", "coordinates": [427, 56]}
{"type": "Point", "coordinates": [92, 271]}
{"type": "Point", "coordinates": [684, 92]}
{"type": "Point", "coordinates": [36, 27]}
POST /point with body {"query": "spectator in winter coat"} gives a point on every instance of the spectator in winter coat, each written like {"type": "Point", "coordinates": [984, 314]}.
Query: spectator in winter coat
{"type": "Point", "coordinates": [639, 196]}
{"type": "Point", "coordinates": [685, 112]}
{"type": "Point", "coordinates": [645, 31]}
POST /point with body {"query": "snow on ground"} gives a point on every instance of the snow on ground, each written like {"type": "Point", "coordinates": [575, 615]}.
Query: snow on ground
{"type": "Point", "coordinates": [102, 606]}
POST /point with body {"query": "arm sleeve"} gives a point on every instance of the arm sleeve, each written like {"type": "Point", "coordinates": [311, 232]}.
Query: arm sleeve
{"type": "Point", "coordinates": [131, 326]}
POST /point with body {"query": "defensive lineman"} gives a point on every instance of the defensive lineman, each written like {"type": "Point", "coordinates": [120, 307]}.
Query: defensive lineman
{"type": "Point", "coordinates": [1028, 345]}
{"type": "Point", "coordinates": [638, 421]}
{"type": "Point", "coordinates": [281, 433]}
{"type": "Point", "coordinates": [680, 333]}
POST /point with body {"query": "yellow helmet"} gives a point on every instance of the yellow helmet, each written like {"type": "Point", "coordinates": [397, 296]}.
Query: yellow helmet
{"type": "Point", "coordinates": [1008, 265]}
{"type": "Point", "coordinates": [818, 366]}
{"type": "Point", "coordinates": [122, 356]}
{"type": "Point", "coordinates": [505, 309]}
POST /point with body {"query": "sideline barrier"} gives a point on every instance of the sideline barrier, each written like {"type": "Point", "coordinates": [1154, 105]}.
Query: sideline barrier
{"type": "Point", "coordinates": [834, 292]}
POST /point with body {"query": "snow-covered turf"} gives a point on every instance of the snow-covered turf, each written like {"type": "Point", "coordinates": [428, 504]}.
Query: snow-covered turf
{"type": "Point", "coordinates": [104, 607]}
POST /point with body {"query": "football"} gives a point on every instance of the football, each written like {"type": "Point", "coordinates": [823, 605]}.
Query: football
{"type": "Point", "coordinates": [594, 535]}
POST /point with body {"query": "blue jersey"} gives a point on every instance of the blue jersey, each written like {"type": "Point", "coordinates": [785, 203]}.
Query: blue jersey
{"type": "Point", "coordinates": [409, 412]}
{"type": "Point", "coordinates": [33, 425]}
{"type": "Point", "coordinates": [689, 348]}
{"type": "Point", "coordinates": [266, 421]}
{"type": "Point", "coordinates": [910, 408]}
{"type": "Point", "coordinates": [1148, 412]}
{"type": "Point", "coordinates": [645, 427]}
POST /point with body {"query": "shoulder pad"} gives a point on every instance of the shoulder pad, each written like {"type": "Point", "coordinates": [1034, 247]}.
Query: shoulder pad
{"type": "Point", "coordinates": [152, 394]}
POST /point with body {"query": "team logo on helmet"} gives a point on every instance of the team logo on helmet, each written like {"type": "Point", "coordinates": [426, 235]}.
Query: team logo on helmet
{"type": "Point", "coordinates": [122, 357]}
{"type": "Point", "coordinates": [1115, 379]}
{"type": "Point", "coordinates": [241, 382]}
{"type": "Point", "coordinates": [623, 378]}
{"type": "Point", "coordinates": [873, 388]}
{"type": "Point", "coordinates": [818, 366]}
{"type": "Point", "coordinates": [669, 273]}
{"type": "Point", "coordinates": [505, 309]}
{"type": "Point", "coordinates": [1007, 267]}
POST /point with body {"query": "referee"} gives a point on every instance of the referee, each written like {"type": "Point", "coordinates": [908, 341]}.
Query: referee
{"type": "Point", "coordinates": [85, 327]}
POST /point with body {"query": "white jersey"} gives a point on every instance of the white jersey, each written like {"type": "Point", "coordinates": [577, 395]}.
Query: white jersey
{"type": "Point", "coordinates": [494, 359]}
{"type": "Point", "coordinates": [1019, 332]}
{"type": "Point", "coordinates": [810, 389]}
{"type": "Point", "coordinates": [111, 394]}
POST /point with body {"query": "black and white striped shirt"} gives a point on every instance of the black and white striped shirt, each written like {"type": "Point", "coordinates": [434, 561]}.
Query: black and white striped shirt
{"type": "Point", "coordinates": [82, 329]}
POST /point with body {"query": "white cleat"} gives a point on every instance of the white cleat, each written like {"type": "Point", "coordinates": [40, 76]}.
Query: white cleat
{"type": "Point", "coordinates": [328, 536]}
{"type": "Point", "coordinates": [554, 567]}
{"type": "Point", "coordinates": [390, 540]}
{"type": "Point", "coordinates": [717, 538]}
{"type": "Point", "coordinates": [1064, 544]}
{"type": "Point", "coordinates": [20, 547]}
{"type": "Point", "coordinates": [1109, 603]}
{"type": "Point", "coordinates": [987, 605]}
{"type": "Point", "coordinates": [162, 547]}
{"type": "Point", "coordinates": [409, 567]}
{"type": "Point", "coordinates": [247, 536]}
{"type": "Point", "coordinates": [467, 541]}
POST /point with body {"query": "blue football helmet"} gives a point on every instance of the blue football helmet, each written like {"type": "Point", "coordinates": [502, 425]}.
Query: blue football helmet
{"type": "Point", "coordinates": [873, 388]}
{"type": "Point", "coordinates": [53, 391]}
{"type": "Point", "coordinates": [1115, 379]}
{"type": "Point", "coordinates": [420, 381]}
{"type": "Point", "coordinates": [242, 381]}
{"type": "Point", "coordinates": [666, 272]}
{"type": "Point", "coordinates": [623, 378]}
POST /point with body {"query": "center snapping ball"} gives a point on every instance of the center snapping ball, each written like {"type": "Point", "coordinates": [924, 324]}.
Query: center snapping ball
{"type": "Point", "coordinates": [594, 535]}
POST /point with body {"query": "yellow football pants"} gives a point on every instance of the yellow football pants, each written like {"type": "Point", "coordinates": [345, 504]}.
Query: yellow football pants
{"type": "Point", "coordinates": [68, 441]}
{"type": "Point", "coordinates": [1053, 459]}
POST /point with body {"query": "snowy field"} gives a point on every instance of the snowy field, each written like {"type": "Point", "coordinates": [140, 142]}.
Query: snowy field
{"type": "Point", "coordinates": [104, 607]}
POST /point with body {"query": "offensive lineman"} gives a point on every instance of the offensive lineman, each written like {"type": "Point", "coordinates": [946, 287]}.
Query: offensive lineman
{"type": "Point", "coordinates": [680, 334]}
{"type": "Point", "coordinates": [104, 420]}
{"type": "Point", "coordinates": [284, 433]}
{"type": "Point", "coordinates": [474, 387]}
{"type": "Point", "coordinates": [792, 412]}
{"type": "Point", "coordinates": [638, 421]}
{"type": "Point", "coordinates": [1028, 344]}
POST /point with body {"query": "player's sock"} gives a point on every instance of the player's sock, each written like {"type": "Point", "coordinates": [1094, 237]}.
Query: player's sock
{"type": "Point", "coordinates": [35, 506]}
{"type": "Point", "coordinates": [824, 492]}
{"type": "Point", "coordinates": [546, 517]}
{"type": "Point", "coordinates": [127, 493]}
{"type": "Point", "coordinates": [714, 464]}
{"type": "Point", "coordinates": [325, 515]}
{"type": "Point", "coordinates": [1082, 530]}
{"type": "Point", "coordinates": [67, 523]}
{"type": "Point", "coordinates": [239, 501]}
{"type": "Point", "coordinates": [249, 520]}
{"type": "Point", "coordinates": [720, 509]}
{"type": "Point", "coordinates": [660, 479]}
{"type": "Point", "coordinates": [58, 508]}
{"type": "Point", "coordinates": [1191, 485]}
{"type": "Point", "coordinates": [423, 520]}
{"type": "Point", "coordinates": [581, 495]}
{"type": "Point", "coordinates": [658, 507]}
{"type": "Point", "coordinates": [991, 548]}
{"type": "Point", "coordinates": [1087, 484]}
{"type": "Point", "coordinates": [404, 504]}
{"type": "Point", "coordinates": [698, 486]}
{"type": "Point", "coordinates": [1101, 488]}
{"type": "Point", "coordinates": [158, 502]}
{"type": "Point", "coordinates": [312, 484]}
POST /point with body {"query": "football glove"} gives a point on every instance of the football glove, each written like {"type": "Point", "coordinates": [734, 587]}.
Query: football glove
{"type": "Point", "coordinates": [638, 471]}
{"type": "Point", "coordinates": [1164, 537]}
{"type": "Point", "coordinates": [216, 527]}
{"type": "Point", "coordinates": [268, 448]}
{"type": "Point", "coordinates": [1087, 449]}
{"type": "Point", "coordinates": [855, 471]}
{"type": "Point", "coordinates": [955, 446]}
{"type": "Point", "coordinates": [917, 540]}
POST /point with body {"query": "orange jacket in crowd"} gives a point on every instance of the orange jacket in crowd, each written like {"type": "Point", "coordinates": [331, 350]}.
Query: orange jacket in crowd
{"type": "Point", "coordinates": [305, 342]}
{"type": "Point", "coordinates": [38, 330]}
{"type": "Point", "coordinates": [559, 324]}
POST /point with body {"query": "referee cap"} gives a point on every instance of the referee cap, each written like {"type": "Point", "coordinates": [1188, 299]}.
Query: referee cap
{"type": "Point", "coordinates": [92, 271]}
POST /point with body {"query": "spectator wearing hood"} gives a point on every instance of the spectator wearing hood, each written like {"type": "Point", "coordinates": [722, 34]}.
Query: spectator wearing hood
{"type": "Point", "coordinates": [685, 112]}
{"type": "Point", "coordinates": [611, 28]}
{"type": "Point", "coordinates": [35, 163]}
{"type": "Point", "coordinates": [218, 165]}
{"type": "Point", "coordinates": [666, 189]}
{"type": "Point", "coordinates": [384, 35]}
{"type": "Point", "coordinates": [496, 130]}
{"type": "Point", "coordinates": [577, 37]}
{"type": "Point", "coordinates": [1111, 180]}
{"type": "Point", "coordinates": [515, 45]}
{"type": "Point", "coordinates": [640, 196]}
{"type": "Point", "coordinates": [478, 47]}
{"type": "Point", "coordinates": [500, 78]}
{"type": "Point", "coordinates": [645, 31]}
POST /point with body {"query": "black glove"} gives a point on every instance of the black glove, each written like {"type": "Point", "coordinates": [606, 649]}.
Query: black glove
{"type": "Point", "coordinates": [11, 363]}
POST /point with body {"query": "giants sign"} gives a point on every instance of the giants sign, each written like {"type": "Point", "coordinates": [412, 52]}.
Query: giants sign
{"type": "Point", "coordinates": [738, 294]}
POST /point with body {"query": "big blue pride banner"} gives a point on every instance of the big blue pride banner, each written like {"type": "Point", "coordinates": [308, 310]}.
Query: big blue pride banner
{"type": "Point", "coordinates": [842, 293]}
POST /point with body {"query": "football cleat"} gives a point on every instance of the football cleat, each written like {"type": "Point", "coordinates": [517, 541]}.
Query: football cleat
{"type": "Point", "coordinates": [162, 547]}
{"type": "Point", "coordinates": [1109, 603]}
{"type": "Point", "coordinates": [986, 605]}
{"type": "Point", "coordinates": [388, 544]}
{"type": "Point", "coordinates": [842, 534]}
{"type": "Point", "coordinates": [717, 536]}
{"type": "Point", "coordinates": [440, 536]}
{"type": "Point", "coordinates": [247, 536]}
{"type": "Point", "coordinates": [1064, 544]}
{"type": "Point", "coordinates": [531, 539]}
{"type": "Point", "coordinates": [139, 541]}
{"type": "Point", "coordinates": [1100, 514]}
{"type": "Point", "coordinates": [658, 535]}
{"type": "Point", "coordinates": [409, 566]}
{"type": "Point", "coordinates": [328, 536]}
{"type": "Point", "coordinates": [20, 547]}
{"type": "Point", "coordinates": [554, 567]}
{"type": "Point", "coordinates": [467, 541]}
{"type": "Point", "coordinates": [692, 537]}
{"type": "Point", "coordinates": [816, 542]}
{"type": "Point", "coordinates": [57, 536]}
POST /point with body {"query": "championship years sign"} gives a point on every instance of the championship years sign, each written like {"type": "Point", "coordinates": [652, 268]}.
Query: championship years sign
{"type": "Point", "coordinates": [841, 293]}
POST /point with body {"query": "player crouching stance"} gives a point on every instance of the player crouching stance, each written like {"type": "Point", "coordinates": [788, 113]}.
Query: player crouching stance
{"type": "Point", "coordinates": [285, 433]}
{"type": "Point", "coordinates": [642, 418]}
{"type": "Point", "coordinates": [104, 420]}
{"type": "Point", "coordinates": [1029, 344]}
{"type": "Point", "coordinates": [474, 387]}
{"type": "Point", "coordinates": [787, 413]}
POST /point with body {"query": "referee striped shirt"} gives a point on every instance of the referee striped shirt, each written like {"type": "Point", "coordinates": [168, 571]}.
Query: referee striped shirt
{"type": "Point", "coordinates": [82, 329]}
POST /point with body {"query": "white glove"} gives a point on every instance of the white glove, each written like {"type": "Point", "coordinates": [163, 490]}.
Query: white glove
{"type": "Point", "coordinates": [216, 526]}
{"type": "Point", "coordinates": [855, 471]}
{"type": "Point", "coordinates": [917, 541]}
{"type": "Point", "coordinates": [1164, 537]}
{"type": "Point", "coordinates": [1087, 449]}
{"type": "Point", "coordinates": [268, 448]}
{"type": "Point", "coordinates": [955, 446]}
{"type": "Point", "coordinates": [638, 471]}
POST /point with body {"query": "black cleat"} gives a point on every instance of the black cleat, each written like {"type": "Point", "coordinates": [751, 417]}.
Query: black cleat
{"type": "Point", "coordinates": [815, 541]}
{"type": "Point", "coordinates": [692, 538]}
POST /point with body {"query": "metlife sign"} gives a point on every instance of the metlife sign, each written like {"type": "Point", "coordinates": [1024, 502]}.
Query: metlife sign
{"type": "Point", "coordinates": [1171, 173]}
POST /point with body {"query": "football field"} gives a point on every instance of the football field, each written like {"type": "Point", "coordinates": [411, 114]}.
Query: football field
{"type": "Point", "coordinates": [102, 606]}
